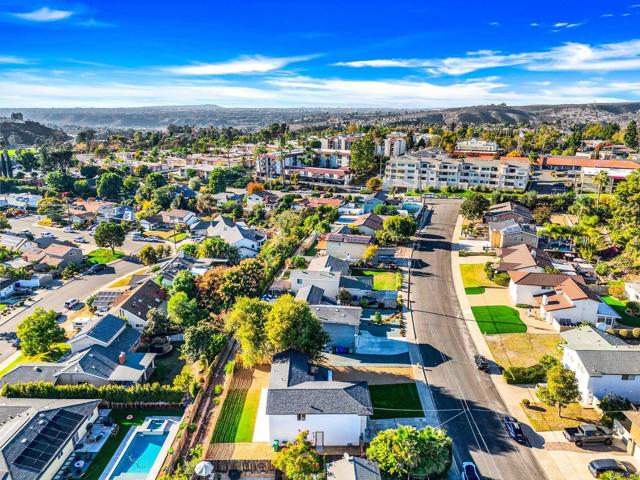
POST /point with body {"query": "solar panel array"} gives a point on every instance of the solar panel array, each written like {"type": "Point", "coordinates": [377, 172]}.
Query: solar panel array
{"type": "Point", "coordinates": [37, 454]}
{"type": "Point", "coordinates": [105, 299]}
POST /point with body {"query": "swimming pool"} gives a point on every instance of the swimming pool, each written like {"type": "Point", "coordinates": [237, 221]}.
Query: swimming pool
{"type": "Point", "coordinates": [140, 455]}
{"type": "Point", "coordinates": [143, 450]}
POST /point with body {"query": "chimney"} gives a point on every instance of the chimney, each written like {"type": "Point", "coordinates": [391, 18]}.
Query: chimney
{"type": "Point", "coordinates": [122, 358]}
{"type": "Point", "coordinates": [545, 300]}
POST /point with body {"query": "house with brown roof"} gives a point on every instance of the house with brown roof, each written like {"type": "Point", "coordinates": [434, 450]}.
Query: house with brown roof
{"type": "Point", "coordinates": [501, 212]}
{"type": "Point", "coordinates": [313, 202]}
{"type": "Point", "coordinates": [147, 296]}
{"type": "Point", "coordinates": [56, 255]}
{"type": "Point", "coordinates": [563, 300]}
{"type": "Point", "coordinates": [367, 224]}
{"type": "Point", "coordinates": [523, 258]}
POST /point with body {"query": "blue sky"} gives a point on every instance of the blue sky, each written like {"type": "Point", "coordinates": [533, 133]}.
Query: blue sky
{"type": "Point", "coordinates": [408, 54]}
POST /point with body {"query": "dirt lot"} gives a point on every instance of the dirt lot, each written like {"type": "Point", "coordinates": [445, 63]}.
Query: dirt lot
{"type": "Point", "coordinates": [373, 375]}
{"type": "Point", "coordinates": [523, 349]}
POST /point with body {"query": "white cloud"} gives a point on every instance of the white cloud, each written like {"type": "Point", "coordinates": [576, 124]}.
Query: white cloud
{"type": "Point", "coordinates": [494, 24]}
{"type": "Point", "coordinates": [534, 24]}
{"type": "Point", "coordinates": [11, 60]}
{"type": "Point", "coordinates": [242, 65]}
{"type": "Point", "coordinates": [44, 14]}
{"type": "Point", "coordinates": [560, 24]}
{"type": "Point", "coordinates": [569, 57]}
{"type": "Point", "coordinates": [606, 15]}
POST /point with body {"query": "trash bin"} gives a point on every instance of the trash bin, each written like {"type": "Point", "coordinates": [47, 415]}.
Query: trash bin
{"type": "Point", "coordinates": [276, 445]}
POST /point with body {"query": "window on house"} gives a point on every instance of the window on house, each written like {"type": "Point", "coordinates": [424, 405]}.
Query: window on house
{"type": "Point", "coordinates": [302, 417]}
{"type": "Point", "coordinates": [628, 377]}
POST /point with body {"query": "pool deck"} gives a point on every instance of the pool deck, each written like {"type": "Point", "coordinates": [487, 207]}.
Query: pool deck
{"type": "Point", "coordinates": [126, 441]}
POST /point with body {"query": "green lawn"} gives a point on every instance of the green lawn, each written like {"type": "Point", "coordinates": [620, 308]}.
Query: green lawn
{"type": "Point", "coordinates": [168, 366]}
{"type": "Point", "coordinates": [498, 319]}
{"type": "Point", "coordinates": [474, 278]}
{"type": "Point", "coordinates": [312, 250]}
{"type": "Point", "coordinates": [619, 307]}
{"type": "Point", "coordinates": [381, 280]}
{"type": "Point", "coordinates": [109, 448]}
{"type": "Point", "coordinates": [103, 255]}
{"type": "Point", "coordinates": [57, 350]}
{"type": "Point", "coordinates": [399, 400]}
{"type": "Point", "coordinates": [237, 417]}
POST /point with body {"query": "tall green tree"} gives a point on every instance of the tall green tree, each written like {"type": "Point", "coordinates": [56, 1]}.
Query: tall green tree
{"type": "Point", "coordinates": [184, 281]}
{"type": "Point", "coordinates": [363, 156]}
{"type": "Point", "coordinates": [561, 388]}
{"type": "Point", "coordinates": [109, 185]}
{"type": "Point", "coordinates": [217, 180]}
{"type": "Point", "coordinates": [202, 342]}
{"type": "Point", "coordinates": [474, 206]}
{"type": "Point", "coordinates": [405, 450]}
{"type": "Point", "coordinates": [39, 331]}
{"type": "Point", "coordinates": [59, 181]}
{"type": "Point", "coordinates": [110, 235]}
{"type": "Point", "coordinates": [631, 134]}
{"type": "Point", "coordinates": [216, 247]}
{"type": "Point", "coordinates": [600, 180]}
{"type": "Point", "coordinates": [184, 311]}
{"type": "Point", "coordinates": [624, 223]}
{"type": "Point", "coordinates": [247, 322]}
{"type": "Point", "coordinates": [299, 460]}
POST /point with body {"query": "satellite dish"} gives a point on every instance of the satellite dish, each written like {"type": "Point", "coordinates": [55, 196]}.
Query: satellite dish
{"type": "Point", "coordinates": [204, 469]}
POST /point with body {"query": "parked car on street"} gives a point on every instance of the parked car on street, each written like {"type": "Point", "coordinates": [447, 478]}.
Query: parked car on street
{"type": "Point", "coordinates": [26, 232]}
{"type": "Point", "coordinates": [79, 239]}
{"type": "Point", "coordinates": [601, 466]}
{"type": "Point", "coordinates": [72, 302]}
{"type": "Point", "coordinates": [481, 363]}
{"type": "Point", "coordinates": [588, 433]}
{"type": "Point", "coordinates": [47, 235]}
{"type": "Point", "coordinates": [67, 229]}
{"type": "Point", "coordinates": [469, 471]}
{"type": "Point", "coordinates": [93, 269]}
{"type": "Point", "coordinates": [514, 429]}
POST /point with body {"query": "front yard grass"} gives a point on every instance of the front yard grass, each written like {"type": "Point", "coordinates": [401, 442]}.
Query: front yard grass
{"type": "Point", "coordinates": [523, 349]}
{"type": "Point", "coordinates": [381, 280]}
{"type": "Point", "coordinates": [103, 255]}
{"type": "Point", "coordinates": [619, 306]}
{"type": "Point", "coordinates": [498, 319]}
{"type": "Point", "coordinates": [56, 351]}
{"type": "Point", "coordinates": [168, 366]}
{"type": "Point", "coordinates": [475, 279]}
{"type": "Point", "coordinates": [544, 418]}
{"type": "Point", "coordinates": [111, 445]}
{"type": "Point", "coordinates": [400, 400]}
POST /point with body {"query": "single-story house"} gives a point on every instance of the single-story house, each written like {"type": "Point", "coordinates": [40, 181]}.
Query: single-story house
{"type": "Point", "coordinates": [182, 261]}
{"type": "Point", "coordinates": [329, 263]}
{"type": "Point", "coordinates": [367, 224]}
{"type": "Point", "coordinates": [145, 297]}
{"type": "Point", "coordinates": [262, 199]}
{"type": "Point", "coordinates": [603, 364]}
{"type": "Point", "coordinates": [523, 258]}
{"type": "Point", "coordinates": [56, 255]}
{"type": "Point", "coordinates": [303, 396]}
{"type": "Point", "coordinates": [345, 246]}
{"type": "Point", "coordinates": [353, 468]}
{"type": "Point", "coordinates": [371, 201]}
{"type": "Point", "coordinates": [7, 287]}
{"type": "Point", "coordinates": [342, 323]}
{"type": "Point", "coordinates": [37, 435]}
{"type": "Point", "coordinates": [169, 219]}
{"type": "Point", "coordinates": [247, 240]}
{"type": "Point", "coordinates": [509, 233]}
{"type": "Point", "coordinates": [314, 202]}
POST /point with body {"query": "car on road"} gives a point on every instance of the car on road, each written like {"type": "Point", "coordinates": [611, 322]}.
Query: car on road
{"type": "Point", "coordinates": [80, 239]}
{"type": "Point", "coordinates": [26, 232]}
{"type": "Point", "coordinates": [101, 311]}
{"type": "Point", "coordinates": [72, 302]}
{"type": "Point", "coordinates": [153, 239]}
{"type": "Point", "coordinates": [469, 471]}
{"type": "Point", "coordinates": [601, 466]}
{"type": "Point", "coordinates": [67, 229]}
{"type": "Point", "coordinates": [588, 433]}
{"type": "Point", "coordinates": [481, 363]}
{"type": "Point", "coordinates": [93, 269]}
{"type": "Point", "coordinates": [137, 237]}
{"type": "Point", "coordinates": [514, 429]}
{"type": "Point", "coordinates": [47, 235]}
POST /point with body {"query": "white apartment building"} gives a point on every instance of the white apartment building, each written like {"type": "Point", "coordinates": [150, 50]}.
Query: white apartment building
{"type": "Point", "coordinates": [395, 144]}
{"type": "Point", "coordinates": [428, 169]}
{"type": "Point", "coordinates": [477, 146]}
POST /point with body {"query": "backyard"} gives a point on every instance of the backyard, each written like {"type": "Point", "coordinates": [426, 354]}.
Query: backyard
{"type": "Point", "coordinates": [240, 408]}
{"type": "Point", "coordinates": [619, 307]}
{"type": "Point", "coordinates": [498, 319]}
{"type": "Point", "coordinates": [475, 279]}
{"type": "Point", "coordinates": [103, 255]}
{"type": "Point", "coordinates": [398, 400]}
{"type": "Point", "coordinates": [168, 366]}
{"type": "Point", "coordinates": [381, 280]}
{"type": "Point", "coordinates": [544, 418]}
{"type": "Point", "coordinates": [523, 349]}
{"type": "Point", "coordinates": [109, 449]}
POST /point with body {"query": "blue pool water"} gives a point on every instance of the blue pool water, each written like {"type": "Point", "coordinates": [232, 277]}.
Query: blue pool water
{"type": "Point", "coordinates": [155, 424]}
{"type": "Point", "coordinates": [140, 455]}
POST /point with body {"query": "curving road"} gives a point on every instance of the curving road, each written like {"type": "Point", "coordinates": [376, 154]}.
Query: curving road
{"type": "Point", "coordinates": [468, 404]}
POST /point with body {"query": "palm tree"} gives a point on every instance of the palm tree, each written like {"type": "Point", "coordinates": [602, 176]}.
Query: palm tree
{"type": "Point", "coordinates": [601, 179]}
{"type": "Point", "coordinates": [581, 206]}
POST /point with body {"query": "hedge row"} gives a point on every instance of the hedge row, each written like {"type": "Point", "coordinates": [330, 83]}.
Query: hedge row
{"type": "Point", "coordinates": [147, 392]}
{"type": "Point", "coordinates": [529, 375]}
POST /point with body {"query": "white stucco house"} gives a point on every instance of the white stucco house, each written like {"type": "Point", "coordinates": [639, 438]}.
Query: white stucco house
{"type": "Point", "coordinates": [603, 364]}
{"type": "Point", "coordinates": [302, 396]}
{"type": "Point", "coordinates": [247, 240]}
{"type": "Point", "coordinates": [347, 247]}
{"type": "Point", "coordinates": [563, 300]}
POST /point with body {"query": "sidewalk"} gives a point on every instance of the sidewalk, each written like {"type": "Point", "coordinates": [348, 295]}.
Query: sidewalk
{"type": "Point", "coordinates": [511, 395]}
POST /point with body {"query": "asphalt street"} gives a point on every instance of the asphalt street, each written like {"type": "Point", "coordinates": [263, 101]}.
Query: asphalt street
{"type": "Point", "coordinates": [468, 404]}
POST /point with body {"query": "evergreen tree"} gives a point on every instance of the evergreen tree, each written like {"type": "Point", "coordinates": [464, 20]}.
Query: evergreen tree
{"type": "Point", "coordinates": [9, 166]}
{"type": "Point", "coordinates": [631, 135]}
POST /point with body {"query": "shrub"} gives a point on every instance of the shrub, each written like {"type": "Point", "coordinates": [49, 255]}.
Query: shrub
{"type": "Point", "coordinates": [633, 307]}
{"type": "Point", "coordinates": [399, 280]}
{"type": "Point", "coordinates": [636, 332]}
{"type": "Point", "coordinates": [526, 403]}
{"type": "Point", "coordinates": [612, 406]}
{"type": "Point", "coordinates": [523, 305]}
{"type": "Point", "coordinates": [502, 279]}
{"type": "Point", "coordinates": [623, 332]}
{"type": "Point", "coordinates": [617, 291]}
{"type": "Point", "coordinates": [217, 390]}
{"type": "Point", "coordinates": [229, 367]}
{"type": "Point", "coordinates": [529, 375]}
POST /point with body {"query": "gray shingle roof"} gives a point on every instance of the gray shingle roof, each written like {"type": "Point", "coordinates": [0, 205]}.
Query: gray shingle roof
{"type": "Point", "coordinates": [329, 263]}
{"type": "Point", "coordinates": [105, 329]}
{"type": "Point", "coordinates": [297, 387]}
{"type": "Point", "coordinates": [310, 294]}
{"type": "Point", "coordinates": [353, 468]}
{"type": "Point", "coordinates": [337, 314]}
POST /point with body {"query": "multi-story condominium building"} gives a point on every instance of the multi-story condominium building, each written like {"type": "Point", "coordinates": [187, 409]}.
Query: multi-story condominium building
{"type": "Point", "coordinates": [395, 144]}
{"type": "Point", "coordinates": [330, 167]}
{"type": "Point", "coordinates": [430, 169]}
{"type": "Point", "coordinates": [339, 142]}
{"type": "Point", "coordinates": [477, 146]}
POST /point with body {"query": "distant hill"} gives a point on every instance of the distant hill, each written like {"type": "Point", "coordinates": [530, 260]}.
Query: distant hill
{"type": "Point", "coordinates": [253, 118]}
{"type": "Point", "coordinates": [17, 133]}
